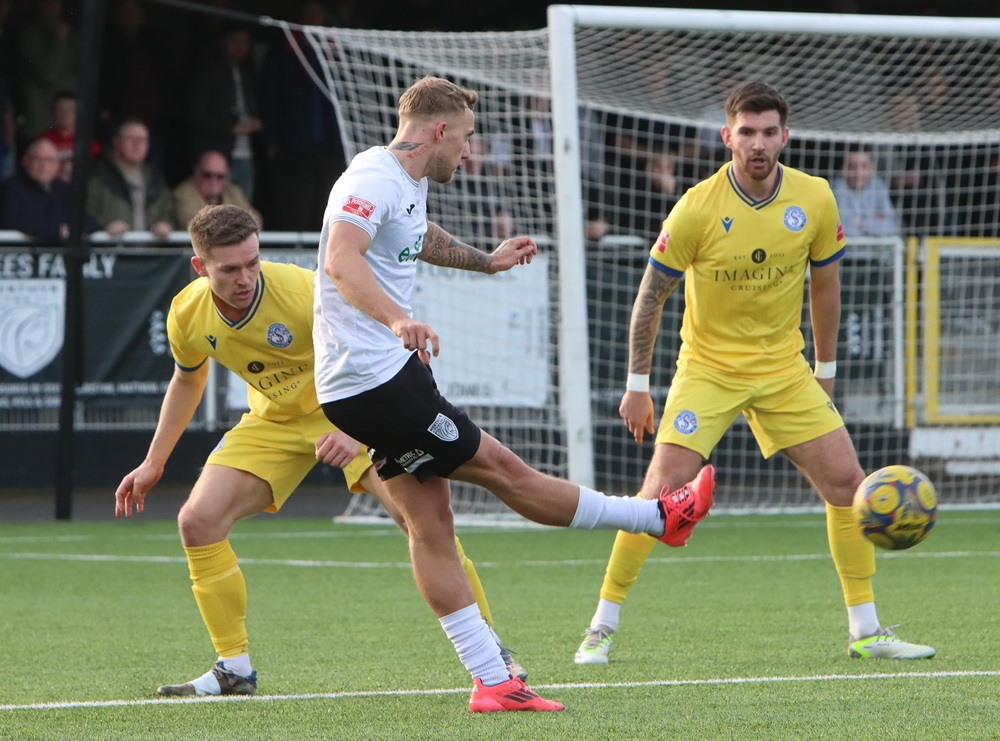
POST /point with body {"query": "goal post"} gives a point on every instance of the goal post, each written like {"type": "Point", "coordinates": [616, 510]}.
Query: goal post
{"type": "Point", "coordinates": [589, 130]}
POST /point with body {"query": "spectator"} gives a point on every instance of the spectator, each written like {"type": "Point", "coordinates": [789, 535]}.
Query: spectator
{"type": "Point", "coordinates": [222, 110]}
{"type": "Point", "coordinates": [301, 136]}
{"type": "Point", "coordinates": [48, 62]}
{"type": "Point", "coordinates": [35, 200]}
{"type": "Point", "coordinates": [208, 186]}
{"type": "Point", "coordinates": [141, 74]}
{"type": "Point", "coordinates": [63, 132]}
{"type": "Point", "coordinates": [866, 209]}
{"type": "Point", "coordinates": [125, 192]}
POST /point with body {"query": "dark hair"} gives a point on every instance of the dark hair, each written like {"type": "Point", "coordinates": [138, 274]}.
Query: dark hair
{"type": "Point", "coordinates": [130, 121]}
{"type": "Point", "coordinates": [63, 95]}
{"type": "Point", "coordinates": [756, 97]}
{"type": "Point", "coordinates": [220, 226]}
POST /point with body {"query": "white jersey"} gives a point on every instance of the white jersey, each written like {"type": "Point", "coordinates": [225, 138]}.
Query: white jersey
{"type": "Point", "coordinates": [355, 353]}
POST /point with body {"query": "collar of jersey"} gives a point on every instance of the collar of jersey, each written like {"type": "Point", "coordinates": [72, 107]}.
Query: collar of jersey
{"type": "Point", "coordinates": [258, 295]}
{"type": "Point", "coordinates": [400, 166]}
{"type": "Point", "coordinates": [745, 197]}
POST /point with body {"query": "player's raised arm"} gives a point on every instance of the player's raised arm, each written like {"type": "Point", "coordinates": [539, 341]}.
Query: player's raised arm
{"type": "Point", "coordinates": [183, 395]}
{"type": "Point", "coordinates": [442, 249]}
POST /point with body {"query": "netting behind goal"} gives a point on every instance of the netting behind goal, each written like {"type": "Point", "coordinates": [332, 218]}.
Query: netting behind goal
{"type": "Point", "coordinates": [912, 104]}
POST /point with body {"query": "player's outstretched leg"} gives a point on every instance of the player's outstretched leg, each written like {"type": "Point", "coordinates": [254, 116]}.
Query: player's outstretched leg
{"type": "Point", "coordinates": [216, 681]}
{"type": "Point", "coordinates": [513, 694]}
{"type": "Point", "coordinates": [685, 507]}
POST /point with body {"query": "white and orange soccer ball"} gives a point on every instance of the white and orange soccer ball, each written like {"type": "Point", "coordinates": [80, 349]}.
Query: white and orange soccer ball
{"type": "Point", "coordinates": [895, 507]}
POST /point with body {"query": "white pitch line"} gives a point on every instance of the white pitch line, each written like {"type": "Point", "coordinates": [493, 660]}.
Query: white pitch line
{"type": "Point", "coordinates": [311, 563]}
{"type": "Point", "coordinates": [719, 522]}
{"type": "Point", "coordinates": [463, 690]}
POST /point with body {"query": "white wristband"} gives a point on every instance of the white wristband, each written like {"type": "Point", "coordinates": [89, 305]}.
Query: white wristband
{"type": "Point", "coordinates": [825, 369]}
{"type": "Point", "coordinates": [637, 382]}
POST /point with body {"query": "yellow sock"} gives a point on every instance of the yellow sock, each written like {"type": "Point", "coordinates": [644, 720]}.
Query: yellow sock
{"type": "Point", "coordinates": [627, 557]}
{"type": "Point", "coordinates": [221, 594]}
{"type": "Point", "coordinates": [477, 586]}
{"type": "Point", "coordinates": [853, 555]}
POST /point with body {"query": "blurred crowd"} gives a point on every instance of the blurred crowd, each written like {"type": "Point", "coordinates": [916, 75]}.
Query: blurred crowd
{"type": "Point", "coordinates": [211, 110]}
{"type": "Point", "coordinates": [215, 111]}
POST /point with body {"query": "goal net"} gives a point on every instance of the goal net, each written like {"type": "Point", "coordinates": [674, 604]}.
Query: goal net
{"type": "Point", "coordinates": [590, 130]}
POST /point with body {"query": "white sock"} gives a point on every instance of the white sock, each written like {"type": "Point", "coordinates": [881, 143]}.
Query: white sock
{"type": "Point", "coordinates": [476, 647]}
{"type": "Point", "coordinates": [607, 615]}
{"type": "Point", "coordinates": [238, 665]}
{"type": "Point", "coordinates": [631, 514]}
{"type": "Point", "coordinates": [863, 620]}
{"type": "Point", "coordinates": [493, 633]}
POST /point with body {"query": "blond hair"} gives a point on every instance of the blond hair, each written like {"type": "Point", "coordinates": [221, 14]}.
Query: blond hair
{"type": "Point", "coordinates": [435, 96]}
{"type": "Point", "coordinates": [220, 226]}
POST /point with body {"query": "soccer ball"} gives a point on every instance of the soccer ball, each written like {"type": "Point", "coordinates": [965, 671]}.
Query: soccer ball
{"type": "Point", "coordinates": [895, 507]}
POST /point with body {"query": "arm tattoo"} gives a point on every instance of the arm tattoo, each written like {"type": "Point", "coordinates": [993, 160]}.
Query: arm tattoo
{"type": "Point", "coordinates": [440, 248]}
{"type": "Point", "coordinates": [646, 314]}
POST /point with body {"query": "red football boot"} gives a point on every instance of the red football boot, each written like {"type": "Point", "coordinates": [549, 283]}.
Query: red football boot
{"type": "Point", "coordinates": [685, 507]}
{"type": "Point", "coordinates": [513, 694]}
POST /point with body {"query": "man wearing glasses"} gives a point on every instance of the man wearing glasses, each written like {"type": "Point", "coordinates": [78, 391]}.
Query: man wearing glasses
{"type": "Point", "coordinates": [208, 186]}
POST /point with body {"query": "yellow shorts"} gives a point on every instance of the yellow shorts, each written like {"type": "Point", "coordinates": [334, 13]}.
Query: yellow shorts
{"type": "Point", "coordinates": [282, 453]}
{"type": "Point", "coordinates": [782, 411]}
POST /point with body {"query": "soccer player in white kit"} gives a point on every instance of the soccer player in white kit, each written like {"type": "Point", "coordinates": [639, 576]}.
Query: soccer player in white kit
{"type": "Point", "coordinates": [374, 381]}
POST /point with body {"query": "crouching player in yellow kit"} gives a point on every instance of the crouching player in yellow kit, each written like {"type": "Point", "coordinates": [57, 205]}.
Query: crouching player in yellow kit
{"type": "Point", "coordinates": [254, 318]}
{"type": "Point", "coordinates": [742, 240]}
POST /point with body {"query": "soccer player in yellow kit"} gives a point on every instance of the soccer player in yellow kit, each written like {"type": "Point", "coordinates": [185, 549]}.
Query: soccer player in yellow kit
{"type": "Point", "coordinates": [743, 239]}
{"type": "Point", "coordinates": [254, 318]}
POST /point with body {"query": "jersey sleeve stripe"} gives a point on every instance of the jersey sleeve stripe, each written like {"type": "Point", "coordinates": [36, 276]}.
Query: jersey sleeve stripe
{"type": "Point", "coordinates": [664, 269]}
{"type": "Point", "coordinates": [192, 368]}
{"type": "Point", "coordinates": [833, 258]}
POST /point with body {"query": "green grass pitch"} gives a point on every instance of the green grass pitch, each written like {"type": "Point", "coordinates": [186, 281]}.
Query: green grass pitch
{"type": "Point", "coordinates": [741, 635]}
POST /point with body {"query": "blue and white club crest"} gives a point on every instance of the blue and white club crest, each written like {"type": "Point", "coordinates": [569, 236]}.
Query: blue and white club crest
{"type": "Point", "coordinates": [795, 218]}
{"type": "Point", "coordinates": [278, 335]}
{"type": "Point", "coordinates": [686, 422]}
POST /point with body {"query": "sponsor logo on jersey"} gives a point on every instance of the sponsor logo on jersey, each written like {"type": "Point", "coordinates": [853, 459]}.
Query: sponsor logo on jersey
{"type": "Point", "coordinates": [279, 336]}
{"type": "Point", "coordinates": [359, 207]}
{"type": "Point", "coordinates": [727, 222]}
{"type": "Point", "coordinates": [212, 340]}
{"type": "Point", "coordinates": [795, 219]}
{"type": "Point", "coordinates": [758, 256]}
{"type": "Point", "coordinates": [218, 445]}
{"type": "Point", "coordinates": [409, 254]}
{"type": "Point", "coordinates": [255, 366]}
{"type": "Point", "coordinates": [443, 429]}
{"type": "Point", "coordinates": [686, 422]}
{"type": "Point", "coordinates": [409, 211]}
{"type": "Point", "coordinates": [662, 241]}
{"type": "Point", "coordinates": [840, 232]}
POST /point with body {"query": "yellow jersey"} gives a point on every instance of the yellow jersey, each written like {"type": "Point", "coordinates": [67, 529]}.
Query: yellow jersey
{"type": "Point", "coordinates": [744, 264]}
{"type": "Point", "coordinates": [270, 347]}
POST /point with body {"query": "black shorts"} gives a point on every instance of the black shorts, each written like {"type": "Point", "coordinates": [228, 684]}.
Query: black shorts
{"type": "Point", "coordinates": [407, 425]}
